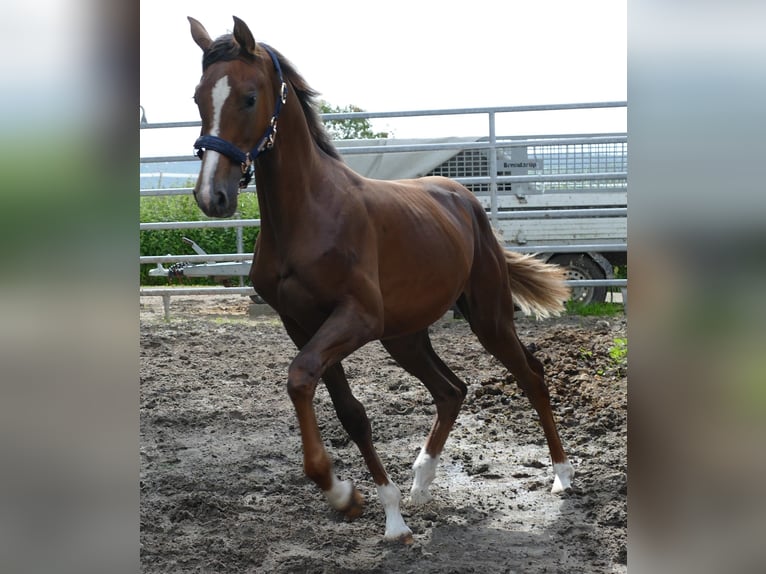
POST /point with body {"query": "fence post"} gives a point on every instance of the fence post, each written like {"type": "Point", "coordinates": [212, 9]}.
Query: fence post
{"type": "Point", "coordinates": [240, 249]}
{"type": "Point", "coordinates": [492, 171]}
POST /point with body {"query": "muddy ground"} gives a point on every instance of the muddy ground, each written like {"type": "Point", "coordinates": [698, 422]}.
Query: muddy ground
{"type": "Point", "coordinates": [222, 486]}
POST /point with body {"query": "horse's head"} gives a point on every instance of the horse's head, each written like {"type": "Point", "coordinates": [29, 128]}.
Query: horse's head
{"type": "Point", "coordinates": [239, 98]}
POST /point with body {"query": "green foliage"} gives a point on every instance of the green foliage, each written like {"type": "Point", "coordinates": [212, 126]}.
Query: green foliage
{"type": "Point", "coordinates": [170, 242]}
{"type": "Point", "coordinates": [619, 352]}
{"type": "Point", "coordinates": [594, 309]}
{"type": "Point", "coordinates": [585, 353]}
{"type": "Point", "coordinates": [348, 129]}
{"type": "Point", "coordinates": [620, 271]}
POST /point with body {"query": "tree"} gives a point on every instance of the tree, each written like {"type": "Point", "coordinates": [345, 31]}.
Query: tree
{"type": "Point", "coordinates": [350, 129]}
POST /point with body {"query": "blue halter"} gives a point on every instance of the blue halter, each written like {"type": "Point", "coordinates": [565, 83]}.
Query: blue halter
{"type": "Point", "coordinates": [266, 142]}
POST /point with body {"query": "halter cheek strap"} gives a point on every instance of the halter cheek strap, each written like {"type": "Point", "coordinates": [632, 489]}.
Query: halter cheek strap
{"type": "Point", "coordinates": [266, 142]}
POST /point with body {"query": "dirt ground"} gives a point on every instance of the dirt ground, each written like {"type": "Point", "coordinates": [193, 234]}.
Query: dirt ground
{"type": "Point", "coordinates": [222, 485]}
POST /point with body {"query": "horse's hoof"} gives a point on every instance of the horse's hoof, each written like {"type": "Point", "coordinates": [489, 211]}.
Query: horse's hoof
{"type": "Point", "coordinates": [563, 479]}
{"type": "Point", "coordinates": [419, 496]}
{"type": "Point", "coordinates": [405, 538]}
{"type": "Point", "coordinates": [355, 506]}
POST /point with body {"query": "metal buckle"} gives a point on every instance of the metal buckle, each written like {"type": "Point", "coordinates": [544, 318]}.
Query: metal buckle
{"type": "Point", "coordinates": [273, 134]}
{"type": "Point", "coordinates": [246, 165]}
{"type": "Point", "coordinates": [247, 172]}
{"type": "Point", "coordinates": [283, 92]}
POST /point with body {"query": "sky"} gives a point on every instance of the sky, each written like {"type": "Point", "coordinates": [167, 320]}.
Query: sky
{"type": "Point", "coordinates": [406, 55]}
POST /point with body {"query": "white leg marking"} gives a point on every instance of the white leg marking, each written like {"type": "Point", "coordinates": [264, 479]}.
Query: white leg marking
{"type": "Point", "coordinates": [564, 474]}
{"type": "Point", "coordinates": [390, 497]}
{"type": "Point", "coordinates": [339, 495]}
{"type": "Point", "coordinates": [425, 472]}
{"type": "Point", "coordinates": [221, 91]}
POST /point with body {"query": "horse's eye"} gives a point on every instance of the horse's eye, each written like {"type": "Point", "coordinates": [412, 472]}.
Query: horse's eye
{"type": "Point", "coordinates": [250, 101]}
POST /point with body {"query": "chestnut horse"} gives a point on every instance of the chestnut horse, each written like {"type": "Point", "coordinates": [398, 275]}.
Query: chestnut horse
{"type": "Point", "coordinates": [345, 260]}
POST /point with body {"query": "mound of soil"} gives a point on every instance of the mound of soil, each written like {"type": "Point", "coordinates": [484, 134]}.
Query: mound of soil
{"type": "Point", "coordinates": [222, 485]}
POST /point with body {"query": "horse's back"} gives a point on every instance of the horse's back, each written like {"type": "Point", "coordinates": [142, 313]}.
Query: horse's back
{"type": "Point", "coordinates": [423, 216]}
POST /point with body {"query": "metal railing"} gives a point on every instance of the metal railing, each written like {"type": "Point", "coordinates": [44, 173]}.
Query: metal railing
{"type": "Point", "coordinates": [492, 181]}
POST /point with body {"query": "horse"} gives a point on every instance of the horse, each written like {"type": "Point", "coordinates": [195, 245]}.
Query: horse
{"type": "Point", "coordinates": [345, 260]}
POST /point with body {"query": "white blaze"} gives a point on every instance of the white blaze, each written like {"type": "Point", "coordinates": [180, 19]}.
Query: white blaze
{"type": "Point", "coordinates": [221, 91]}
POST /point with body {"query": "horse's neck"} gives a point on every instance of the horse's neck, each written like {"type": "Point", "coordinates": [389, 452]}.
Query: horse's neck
{"type": "Point", "coordinates": [285, 179]}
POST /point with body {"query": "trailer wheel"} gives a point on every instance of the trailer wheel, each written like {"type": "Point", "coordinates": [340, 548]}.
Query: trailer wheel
{"type": "Point", "coordinates": [580, 266]}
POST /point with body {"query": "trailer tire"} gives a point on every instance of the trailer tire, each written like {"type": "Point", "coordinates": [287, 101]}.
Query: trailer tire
{"type": "Point", "coordinates": [581, 266]}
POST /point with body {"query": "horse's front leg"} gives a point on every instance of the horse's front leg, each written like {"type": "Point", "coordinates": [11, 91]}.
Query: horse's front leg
{"type": "Point", "coordinates": [342, 495]}
{"type": "Point", "coordinates": [342, 333]}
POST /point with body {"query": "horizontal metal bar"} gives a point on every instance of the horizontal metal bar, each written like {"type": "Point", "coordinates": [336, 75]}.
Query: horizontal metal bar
{"type": "Point", "coordinates": [161, 125]}
{"type": "Point", "coordinates": [471, 111]}
{"type": "Point", "coordinates": [182, 291]}
{"type": "Point", "coordinates": [167, 158]}
{"type": "Point", "coordinates": [503, 139]}
{"type": "Point", "coordinates": [505, 215]}
{"type": "Point", "coordinates": [214, 270]}
{"type": "Point", "coordinates": [440, 112]}
{"type": "Point", "coordinates": [207, 258]}
{"type": "Point", "coordinates": [582, 248]}
{"type": "Point", "coordinates": [545, 178]}
{"type": "Point", "coordinates": [521, 198]}
{"type": "Point", "coordinates": [175, 291]}
{"type": "Point", "coordinates": [247, 257]}
{"type": "Point", "coordinates": [597, 282]}
{"type": "Point", "coordinates": [200, 224]}
{"type": "Point", "coordinates": [399, 148]}
{"type": "Point", "coordinates": [166, 191]}
{"type": "Point", "coordinates": [402, 148]}
{"type": "Point", "coordinates": [154, 191]}
{"type": "Point", "coordinates": [563, 213]}
{"type": "Point", "coordinates": [550, 178]}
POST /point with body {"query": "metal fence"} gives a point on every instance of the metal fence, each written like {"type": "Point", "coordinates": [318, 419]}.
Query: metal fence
{"type": "Point", "coordinates": [505, 173]}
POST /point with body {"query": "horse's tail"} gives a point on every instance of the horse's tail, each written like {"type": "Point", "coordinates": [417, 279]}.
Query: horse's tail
{"type": "Point", "coordinates": [537, 287]}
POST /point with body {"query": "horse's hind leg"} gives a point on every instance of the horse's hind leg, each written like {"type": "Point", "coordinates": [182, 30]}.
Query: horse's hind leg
{"type": "Point", "coordinates": [353, 417]}
{"type": "Point", "coordinates": [416, 355]}
{"type": "Point", "coordinates": [497, 333]}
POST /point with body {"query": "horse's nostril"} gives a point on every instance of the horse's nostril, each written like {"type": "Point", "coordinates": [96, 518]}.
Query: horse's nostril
{"type": "Point", "coordinates": [220, 199]}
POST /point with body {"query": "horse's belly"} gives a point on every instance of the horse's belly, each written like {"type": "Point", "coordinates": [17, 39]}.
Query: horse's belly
{"type": "Point", "coordinates": [413, 302]}
{"type": "Point", "coordinates": [399, 322]}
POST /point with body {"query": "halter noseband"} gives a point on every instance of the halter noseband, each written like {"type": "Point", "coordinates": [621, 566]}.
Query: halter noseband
{"type": "Point", "coordinates": [266, 142]}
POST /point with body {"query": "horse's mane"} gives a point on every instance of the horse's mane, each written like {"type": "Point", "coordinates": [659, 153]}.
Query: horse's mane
{"type": "Point", "coordinates": [226, 48]}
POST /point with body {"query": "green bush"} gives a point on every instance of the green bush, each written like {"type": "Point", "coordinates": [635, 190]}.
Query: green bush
{"type": "Point", "coordinates": [170, 242]}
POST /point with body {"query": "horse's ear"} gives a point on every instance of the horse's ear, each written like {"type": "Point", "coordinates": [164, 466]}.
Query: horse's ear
{"type": "Point", "coordinates": [244, 36]}
{"type": "Point", "coordinates": [200, 35]}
